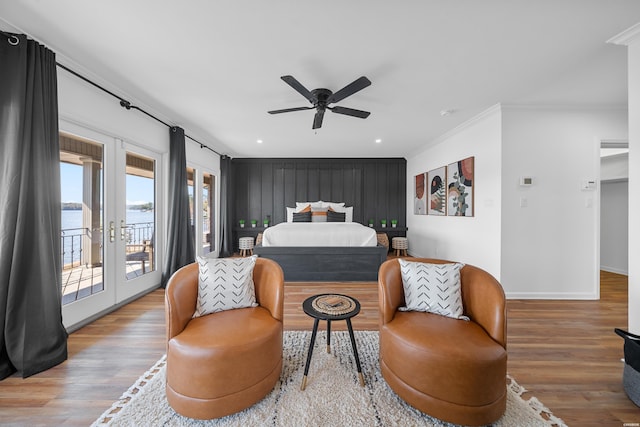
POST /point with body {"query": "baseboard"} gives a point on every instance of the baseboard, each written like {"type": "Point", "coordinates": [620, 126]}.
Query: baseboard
{"type": "Point", "coordinates": [614, 270]}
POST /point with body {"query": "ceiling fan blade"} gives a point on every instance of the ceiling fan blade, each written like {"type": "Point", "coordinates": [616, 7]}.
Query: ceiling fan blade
{"type": "Point", "coordinates": [350, 112]}
{"type": "Point", "coordinates": [349, 89]}
{"type": "Point", "coordinates": [288, 110]}
{"type": "Point", "coordinates": [291, 81]}
{"type": "Point", "coordinates": [317, 119]}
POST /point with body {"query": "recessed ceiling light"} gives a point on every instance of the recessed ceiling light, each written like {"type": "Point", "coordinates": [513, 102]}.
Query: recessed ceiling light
{"type": "Point", "coordinates": [445, 113]}
{"type": "Point", "coordinates": [259, 141]}
{"type": "Point", "coordinates": [378, 141]}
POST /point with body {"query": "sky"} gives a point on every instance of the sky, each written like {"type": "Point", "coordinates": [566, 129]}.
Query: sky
{"type": "Point", "coordinates": [139, 190]}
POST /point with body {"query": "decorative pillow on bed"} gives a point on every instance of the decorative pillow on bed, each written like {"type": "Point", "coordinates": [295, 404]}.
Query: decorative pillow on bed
{"type": "Point", "coordinates": [225, 284]}
{"type": "Point", "coordinates": [291, 211]}
{"type": "Point", "coordinates": [333, 205]}
{"type": "Point", "coordinates": [319, 214]}
{"type": "Point", "coordinates": [348, 212]}
{"type": "Point", "coordinates": [302, 217]}
{"type": "Point", "coordinates": [317, 204]}
{"type": "Point", "coordinates": [434, 288]}
{"type": "Point", "coordinates": [333, 216]}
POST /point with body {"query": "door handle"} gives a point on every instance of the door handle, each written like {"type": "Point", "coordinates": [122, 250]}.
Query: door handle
{"type": "Point", "coordinates": [112, 232]}
{"type": "Point", "coordinates": [123, 228]}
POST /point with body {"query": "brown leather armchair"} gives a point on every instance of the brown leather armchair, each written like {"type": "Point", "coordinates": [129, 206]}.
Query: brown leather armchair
{"type": "Point", "coordinates": [223, 362]}
{"type": "Point", "coordinates": [451, 369]}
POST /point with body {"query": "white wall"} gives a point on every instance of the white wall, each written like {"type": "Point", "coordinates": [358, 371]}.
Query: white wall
{"type": "Point", "coordinates": [473, 240]}
{"type": "Point", "coordinates": [85, 105]}
{"type": "Point", "coordinates": [614, 226]}
{"type": "Point", "coordinates": [550, 244]}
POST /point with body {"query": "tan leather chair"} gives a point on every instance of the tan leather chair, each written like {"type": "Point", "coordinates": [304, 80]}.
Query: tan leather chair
{"type": "Point", "coordinates": [451, 369]}
{"type": "Point", "coordinates": [223, 362]}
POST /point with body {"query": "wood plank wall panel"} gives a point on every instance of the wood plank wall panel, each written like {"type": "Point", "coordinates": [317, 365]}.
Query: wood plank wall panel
{"type": "Point", "coordinates": [376, 188]}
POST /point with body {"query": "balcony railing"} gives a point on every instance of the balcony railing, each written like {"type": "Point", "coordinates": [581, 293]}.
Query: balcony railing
{"type": "Point", "coordinates": [72, 240]}
{"type": "Point", "coordinates": [82, 278]}
{"type": "Point", "coordinates": [72, 246]}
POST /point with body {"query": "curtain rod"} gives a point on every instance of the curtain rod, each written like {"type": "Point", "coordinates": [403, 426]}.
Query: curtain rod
{"type": "Point", "coordinates": [126, 104]}
{"type": "Point", "coordinates": [14, 40]}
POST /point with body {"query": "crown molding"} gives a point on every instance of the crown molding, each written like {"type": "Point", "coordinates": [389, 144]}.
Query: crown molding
{"type": "Point", "coordinates": [496, 108]}
{"type": "Point", "coordinates": [564, 107]}
{"type": "Point", "coordinates": [627, 37]}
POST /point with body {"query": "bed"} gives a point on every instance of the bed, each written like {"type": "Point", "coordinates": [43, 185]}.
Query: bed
{"type": "Point", "coordinates": [323, 251]}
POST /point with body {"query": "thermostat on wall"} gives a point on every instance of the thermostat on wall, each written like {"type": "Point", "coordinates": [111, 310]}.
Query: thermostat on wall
{"type": "Point", "coordinates": [526, 180]}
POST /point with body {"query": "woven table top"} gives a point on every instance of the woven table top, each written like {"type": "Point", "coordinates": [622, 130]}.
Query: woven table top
{"type": "Point", "coordinates": [333, 304]}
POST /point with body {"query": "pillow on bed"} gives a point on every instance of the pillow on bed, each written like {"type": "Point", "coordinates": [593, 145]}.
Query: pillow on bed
{"type": "Point", "coordinates": [317, 204]}
{"type": "Point", "coordinates": [333, 205]}
{"type": "Point", "coordinates": [301, 217]}
{"type": "Point", "coordinates": [348, 212]}
{"type": "Point", "coordinates": [291, 211]}
{"type": "Point", "coordinates": [319, 214]}
{"type": "Point", "coordinates": [333, 216]}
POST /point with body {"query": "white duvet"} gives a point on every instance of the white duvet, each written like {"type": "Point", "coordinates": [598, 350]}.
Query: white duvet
{"type": "Point", "coordinates": [319, 234]}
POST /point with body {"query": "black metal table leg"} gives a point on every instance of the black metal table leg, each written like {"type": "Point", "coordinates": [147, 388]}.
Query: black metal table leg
{"type": "Point", "coordinates": [313, 340]}
{"type": "Point", "coordinates": [328, 336]}
{"type": "Point", "coordinates": [355, 351]}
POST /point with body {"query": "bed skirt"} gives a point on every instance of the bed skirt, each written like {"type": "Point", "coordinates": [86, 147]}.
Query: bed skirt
{"type": "Point", "coordinates": [326, 264]}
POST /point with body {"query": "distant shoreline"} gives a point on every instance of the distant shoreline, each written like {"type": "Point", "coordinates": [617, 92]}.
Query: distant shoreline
{"type": "Point", "coordinates": [78, 207]}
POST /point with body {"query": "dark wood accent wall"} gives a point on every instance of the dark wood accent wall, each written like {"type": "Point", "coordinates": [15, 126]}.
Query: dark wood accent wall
{"type": "Point", "coordinates": [376, 188]}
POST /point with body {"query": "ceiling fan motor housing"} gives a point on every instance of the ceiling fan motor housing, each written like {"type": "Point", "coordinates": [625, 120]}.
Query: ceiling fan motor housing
{"type": "Point", "coordinates": [322, 96]}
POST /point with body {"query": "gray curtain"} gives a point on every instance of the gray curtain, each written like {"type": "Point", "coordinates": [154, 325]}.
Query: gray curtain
{"type": "Point", "coordinates": [32, 336]}
{"type": "Point", "coordinates": [180, 241]}
{"type": "Point", "coordinates": [226, 205]}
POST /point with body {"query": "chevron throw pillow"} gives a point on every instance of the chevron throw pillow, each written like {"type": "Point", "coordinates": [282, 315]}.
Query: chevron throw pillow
{"type": "Point", "coordinates": [434, 288]}
{"type": "Point", "coordinates": [225, 284]}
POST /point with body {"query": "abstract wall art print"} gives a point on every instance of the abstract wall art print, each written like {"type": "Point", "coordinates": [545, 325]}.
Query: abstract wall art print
{"type": "Point", "coordinates": [438, 191]}
{"type": "Point", "coordinates": [460, 188]}
{"type": "Point", "coordinates": [420, 194]}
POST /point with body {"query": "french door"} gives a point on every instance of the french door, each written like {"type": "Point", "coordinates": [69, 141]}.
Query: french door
{"type": "Point", "coordinates": [111, 241]}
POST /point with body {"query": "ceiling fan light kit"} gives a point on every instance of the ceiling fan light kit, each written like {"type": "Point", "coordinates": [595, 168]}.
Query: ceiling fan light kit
{"type": "Point", "coordinates": [321, 98]}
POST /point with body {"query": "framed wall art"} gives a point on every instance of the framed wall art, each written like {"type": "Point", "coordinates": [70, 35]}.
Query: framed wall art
{"type": "Point", "coordinates": [460, 188]}
{"type": "Point", "coordinates": [420, 195]}
{"type": "Point", "coordinates": [438, 191]}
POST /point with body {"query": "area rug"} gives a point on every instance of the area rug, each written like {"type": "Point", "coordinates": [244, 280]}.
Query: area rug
{"type": "Point", "coordinates": [333, 396]}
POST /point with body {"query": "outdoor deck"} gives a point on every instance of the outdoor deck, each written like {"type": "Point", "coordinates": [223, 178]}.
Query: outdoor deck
{"type": "Point", "coordinates": [81, 281]}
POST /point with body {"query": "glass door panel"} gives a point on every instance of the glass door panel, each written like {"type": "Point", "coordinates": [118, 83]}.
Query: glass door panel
{"type": "Point", "coordinates": [208, 209]}
{"type": "Point", "coordinates": [136, 197]}
{"type": "Point", "coordinates": [140, 223]}
{"type": "Point", "coordinates": [81, 178]}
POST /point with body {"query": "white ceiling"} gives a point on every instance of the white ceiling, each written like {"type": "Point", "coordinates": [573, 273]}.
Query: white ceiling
{"type": "Point", "coordinates": [214, 67]}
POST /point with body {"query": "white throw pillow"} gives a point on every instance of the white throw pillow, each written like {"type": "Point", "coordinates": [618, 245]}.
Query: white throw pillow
{"type": "Point", "coordinates": [303, 205]}
{"type": "Point", "coordinates": [434, 288]}
{"type": "Point", "coordinates": [332, 205]}
{"type": "Point", "coordinates": [225, 284]}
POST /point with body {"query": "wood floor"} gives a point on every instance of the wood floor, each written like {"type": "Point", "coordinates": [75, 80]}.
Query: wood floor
{"type": "Point", "coordinates": [564, 352]}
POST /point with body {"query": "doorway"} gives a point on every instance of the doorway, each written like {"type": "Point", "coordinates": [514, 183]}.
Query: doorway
{"type": "Point", "coordinates": [614, 206]}
{"type": "Point", "coordinates": [110, 190]}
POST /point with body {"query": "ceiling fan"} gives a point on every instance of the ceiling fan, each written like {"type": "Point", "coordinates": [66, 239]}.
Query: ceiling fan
{"type": "Point", "coordinates": [321, 98]}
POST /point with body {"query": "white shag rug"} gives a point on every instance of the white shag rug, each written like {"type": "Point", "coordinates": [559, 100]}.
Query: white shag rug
{"type": "Point", "coordinates": [333, 396]}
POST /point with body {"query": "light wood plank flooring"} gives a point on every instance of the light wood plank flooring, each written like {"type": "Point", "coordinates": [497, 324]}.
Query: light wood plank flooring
{"type": "Point", "coordinates": [564, 352]}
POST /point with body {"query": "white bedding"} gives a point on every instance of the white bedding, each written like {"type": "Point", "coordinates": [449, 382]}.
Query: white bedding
{"type": "Point", "coordinates": [319, 234]}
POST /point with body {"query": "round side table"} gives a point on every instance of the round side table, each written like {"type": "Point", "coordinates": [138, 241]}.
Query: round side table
{"type": "Point", "coordinates": [331, 307]}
